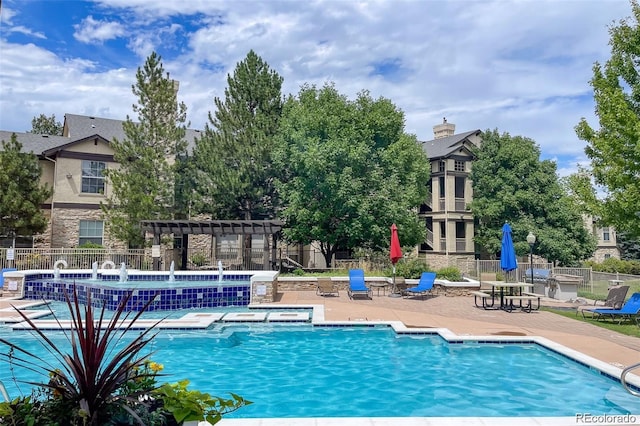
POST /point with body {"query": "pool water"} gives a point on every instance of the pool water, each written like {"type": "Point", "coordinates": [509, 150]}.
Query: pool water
{"type": "Point", "coordinates": [306, 371]}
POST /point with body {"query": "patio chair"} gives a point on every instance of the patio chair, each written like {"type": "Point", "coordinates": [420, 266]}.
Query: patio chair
{"type": "Point", "coordinates": [326, 287]}
{"type": "Point", "coordinates": [629, 310]}
{"type": "Point", "coordinates": [614, 300]}
{"type": "Point", "coordinates": [357, 286]}
{"type": "Point", "coordinates": [425, 285]}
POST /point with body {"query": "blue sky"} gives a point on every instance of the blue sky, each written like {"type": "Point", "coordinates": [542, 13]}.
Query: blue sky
{"type": "Point", "coordinates": [519, 66]}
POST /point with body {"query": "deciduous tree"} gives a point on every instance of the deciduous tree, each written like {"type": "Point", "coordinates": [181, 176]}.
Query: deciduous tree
{"type": "Point", "coordinates": [613, 148]}
{"type": "Point", "coordinates": [511, 184]}
{"type": "Point", "coordinates": [22, 193]}
{"type": "Point", "coordinates": [142, 187]}
{"type": "Point", "coordinates": [349, 172]}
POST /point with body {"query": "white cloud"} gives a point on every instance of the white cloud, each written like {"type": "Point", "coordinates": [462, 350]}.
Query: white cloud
{"type": "Point", "coordinates": [521, 67]}
{"type": "Point", "coordinates": [96, 31]}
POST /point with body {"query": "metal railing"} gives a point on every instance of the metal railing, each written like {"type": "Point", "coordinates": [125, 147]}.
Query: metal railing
{"type": "Point", "coordinates": [75, 258]}
{"type": "Point", "coordinates": [624, 382]}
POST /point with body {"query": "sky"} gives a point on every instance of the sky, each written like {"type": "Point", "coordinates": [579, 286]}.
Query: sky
{"type": "Point", "coordinates": [521, 67]}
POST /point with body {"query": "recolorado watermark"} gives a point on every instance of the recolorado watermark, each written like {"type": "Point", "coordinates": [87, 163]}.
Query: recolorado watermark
{"type": "Point", "coordinates": [606, 419]}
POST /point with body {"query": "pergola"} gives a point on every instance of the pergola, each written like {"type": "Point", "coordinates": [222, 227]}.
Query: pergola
{"type": "Point", "coordinates": [184, 228]}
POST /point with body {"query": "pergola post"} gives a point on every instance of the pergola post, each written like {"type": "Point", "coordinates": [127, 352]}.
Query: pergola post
{"type": "Point", "coordinates": [155, 252]}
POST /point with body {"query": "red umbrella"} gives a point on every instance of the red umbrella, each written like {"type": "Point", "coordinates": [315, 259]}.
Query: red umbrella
{"type": "Point", "coordinates": [396, 251]}
{"type": "Point", "coordinates": [395, 254]}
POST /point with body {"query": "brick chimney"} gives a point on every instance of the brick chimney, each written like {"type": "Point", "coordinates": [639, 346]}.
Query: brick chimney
{"type": "Point", "coordinates": [443, 130]}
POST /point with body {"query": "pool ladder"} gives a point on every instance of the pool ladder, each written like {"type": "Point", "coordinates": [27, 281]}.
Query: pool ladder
{"type": "Point", "coordinates": [624, 383]}
{"type": "Point", "coordinates": [4, 392]}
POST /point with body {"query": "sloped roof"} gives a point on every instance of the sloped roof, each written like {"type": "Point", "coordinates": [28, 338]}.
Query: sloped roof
{"type": "Point", "coordinates": [440, 148]}
{"type": "Point", "coordinates": [78, 128]}
{"type": "Point", "coordinates": [82, 126]}
{"type": "Point", "coordinates": [33, 142]}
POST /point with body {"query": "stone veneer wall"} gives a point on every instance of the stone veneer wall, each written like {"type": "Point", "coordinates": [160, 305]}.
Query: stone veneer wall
{"type": "Point", "coordinates": [65, 225]}
{"type": "Point", "coordinates": [465, 263]}
{"type": "Point", "coordinates": [342, 283]}
{"type": "Point", "coordinates": [13, 279]}
{"type": "Point", "coordinates": [599, 255]}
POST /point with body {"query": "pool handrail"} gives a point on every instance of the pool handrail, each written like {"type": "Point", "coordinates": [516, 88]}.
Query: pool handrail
{"type": "Point", "coordinates": [624, 383]}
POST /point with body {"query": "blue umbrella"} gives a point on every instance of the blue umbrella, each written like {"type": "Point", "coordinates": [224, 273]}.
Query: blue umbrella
{"type": "Point", "coordinates": [508, 260]}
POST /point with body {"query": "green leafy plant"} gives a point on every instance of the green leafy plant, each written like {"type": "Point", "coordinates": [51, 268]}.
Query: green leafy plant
{"type": "Point", "coordinates": [450, 273]}
{"type": "Point", "coordinates": [189, 405]}
{"type": "Point", "coordinates": [198, 259]}
{"type": "Point", "coordinates": [410, 268]}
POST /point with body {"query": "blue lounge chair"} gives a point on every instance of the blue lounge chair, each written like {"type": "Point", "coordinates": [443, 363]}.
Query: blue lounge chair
{"type": "Point", "coordinates": [629, 310]}
{"type": "Point", "coordinates": [424, 285]}
{"type": "Point", "coordinates": [357, 285]}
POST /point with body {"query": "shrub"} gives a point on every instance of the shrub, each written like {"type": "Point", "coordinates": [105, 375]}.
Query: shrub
{"type": "Point", "coordinates": [410, 268]}
{"type": "Point", "coordinates": [450, 273]}
{"type": "Point", "coordinates": [198, 259]}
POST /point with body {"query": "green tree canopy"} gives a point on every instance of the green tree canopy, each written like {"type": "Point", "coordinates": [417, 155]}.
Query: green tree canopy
{"type": "Point", "coordinates": [349, 172]}
{"type": "Point", "coordinates": [143, 185]}
{"type": "Point", "coordinates": [613, 148]}
{"type": "Point", "coordinates": [233, 158]}
{"type": "Point", "coordinates": [511, 184]}
{"type": "Point", "coordinates": [44, 125]}
{"type": "Point", "coordinates": [22, 193]}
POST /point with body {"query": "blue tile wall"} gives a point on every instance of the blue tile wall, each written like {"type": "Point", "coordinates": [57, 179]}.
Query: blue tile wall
{"type": "Point", "coordinates": [44, 286]}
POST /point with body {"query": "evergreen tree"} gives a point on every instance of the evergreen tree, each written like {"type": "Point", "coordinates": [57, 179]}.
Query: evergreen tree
{"type": "Point", "coordinates": [349, 172]}
{"type": "Point", "coordinates": [143, 186]}
{"type": "Point", "coordinates": [233, 158]}
{"type": "Point", "coordinates": [613, 148]}
{"type": "Point", "coordinates": [44, 125]}
{"type": "Point", "coordinates": [511, 184]}
{"type": "Point", "coordinates": [22, 193]}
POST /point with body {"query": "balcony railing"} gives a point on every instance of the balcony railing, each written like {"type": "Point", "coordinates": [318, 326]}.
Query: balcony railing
{"type": "Point", "coordinates": [430, 237]}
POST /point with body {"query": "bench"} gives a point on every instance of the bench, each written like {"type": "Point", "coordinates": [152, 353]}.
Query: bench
{"type": "Point", "coordinates": [483, 296]}
{"type": "Point", "coordinates": [529, 298]}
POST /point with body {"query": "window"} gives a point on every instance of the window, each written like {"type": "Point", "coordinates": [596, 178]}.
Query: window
{"type": "Point", "coordinates": [93, 177]}
{"type": "Point", "coordinates": [90, 232]}
{"type": "Point", "coordinates": [458, 166]}
{"type": "Point", "coordinates": [607, 256]}
{"type": "Point", "coordinates": [605, 234]}
{"type": "Point", "coordinates": [442, 166]}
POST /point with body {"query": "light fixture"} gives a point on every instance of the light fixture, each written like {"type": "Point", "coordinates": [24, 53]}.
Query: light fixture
{"type": "Point", "coordinates": [531, 239]}
{"type": "Point", "coordinates": [69, 175]}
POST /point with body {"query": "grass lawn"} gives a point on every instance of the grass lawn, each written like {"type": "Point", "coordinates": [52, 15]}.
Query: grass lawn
{"type": "Point", "coordinates": [627, 327]}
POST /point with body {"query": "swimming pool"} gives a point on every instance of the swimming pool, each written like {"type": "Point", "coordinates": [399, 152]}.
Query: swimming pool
{"type": "Point", "coordinates": [307, 371]}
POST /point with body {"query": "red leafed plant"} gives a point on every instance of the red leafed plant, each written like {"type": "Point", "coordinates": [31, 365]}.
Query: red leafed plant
{"type": "Point", "coordinates": [90, 378]}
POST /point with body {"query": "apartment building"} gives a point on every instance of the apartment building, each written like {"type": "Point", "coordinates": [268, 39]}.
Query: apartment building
{"type": "Point", "coordinates": [447, 218]}
{"type": "Point", "coordinates": [74, 163]}
{"type": "Point", "coordinates": [607, 244]}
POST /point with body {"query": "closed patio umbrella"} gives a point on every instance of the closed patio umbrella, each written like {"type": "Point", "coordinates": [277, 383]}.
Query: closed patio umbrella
{"type": "Point", "coordinates": [508, 260]}
{"type": "Point", "coordinates": [395, 254]}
